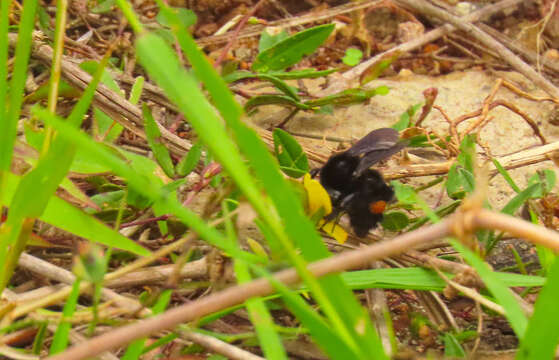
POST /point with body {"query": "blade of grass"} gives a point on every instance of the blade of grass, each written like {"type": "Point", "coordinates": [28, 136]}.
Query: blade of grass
{"type": "Point", "coordinates": [54, 80]}
{"type": "Point", "coordinates": [260, 317]}
{"type": "Point", "coordinates": [160, 152]}
{"type": "Point", "coordinates": [325, 336]}
{"type": "Point", "coordinates": [542, 335]}
{"type": "Point", "coordinates": [37, 187]}
{"type": "Point", "coordinates": [69, 218]}
{"type": "Point", "coordinates": [136, 91]}
{"type": "Point", "coordinates": [61, 336]}
{"type": "Point", "coordinates": [135, 349]}
{"type": "Point", "coordinates": [4, 45]}
{"type": "Point", "coordinates": [516, 202]}
{"type": "Point", "coordinates": [505, 175]}
{"type": "Point", "coordinates": [8, 125]}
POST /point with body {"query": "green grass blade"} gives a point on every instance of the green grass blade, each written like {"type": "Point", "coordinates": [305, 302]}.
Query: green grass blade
{"type": "Point", "coordinates": [505, 174]}
{"type": "Point", "coordinates": [416, 278]}
{"type": "Point", "coordinates": [516, 202]}
{"type": "Point", "coordinates": [54, 80]}
{"type": "Point", "coordinates": [4, 46]}
{"type": "Point", "coordinates": [61, 336]}
{"type": "Point", "coordinates": [160, 152]}
{"type": "Point", "coordinates": [37, 186]}
{"type": "Point", "coordinates": [8, 125]}
{"type": "Point", "coordinates": [136, 91]}
{"type": "Point", "coordinates": [542, 335]}
{"type": "Point", "coordinates": [325, 336]}
{"type": "Point", "coordinates": [67, 217]}
{"type": "Point", "coordinates": [260, 317]}
{"type": "Point", "coordinates": [135, 349]}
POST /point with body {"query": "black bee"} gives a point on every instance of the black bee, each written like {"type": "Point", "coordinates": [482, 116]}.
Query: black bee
{"type": "Point", "coordinates": [356, 189]}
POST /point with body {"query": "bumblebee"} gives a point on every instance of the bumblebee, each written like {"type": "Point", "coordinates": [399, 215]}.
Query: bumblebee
{"type": "Point", "coordinates": [356, 189]}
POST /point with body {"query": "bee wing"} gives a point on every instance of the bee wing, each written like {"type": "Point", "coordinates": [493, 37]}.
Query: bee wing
{"type": "Point", "coordinates": [375, 156]}
{"type": "Point", "coordinates": [377, 145]}
{"type": "Point", "coordinates": [379, 139]}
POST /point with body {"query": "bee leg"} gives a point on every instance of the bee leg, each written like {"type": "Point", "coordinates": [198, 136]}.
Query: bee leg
{"type": "Point", "coordinates": [338, 209]}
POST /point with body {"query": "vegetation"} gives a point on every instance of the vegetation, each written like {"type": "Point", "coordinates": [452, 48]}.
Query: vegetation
{"type": "Point", "coordinates": [288, 281]}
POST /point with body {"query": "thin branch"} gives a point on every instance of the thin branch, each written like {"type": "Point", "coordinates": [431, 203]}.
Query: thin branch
{"type": "Point", "coordinates": [538, 235]}
{"type": "Point", "coordinates": [116, 106]}
{"type": "Point", "coordinates": [220, 347]}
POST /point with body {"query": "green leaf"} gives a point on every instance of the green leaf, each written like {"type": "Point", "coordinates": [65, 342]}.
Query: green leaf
{"type": "Point", "coordinates": [190, 160]}
{"type": "Point", "coordinates": [516, 202]}
{"type": "Point", "coordinates": [292, 159]}
{"type": "Point", "coordinates": [103, 7]}
{"type": "Point", "coordinates": [349, 96]}
{"type": "Point", "coordinates": [416, 278]}
{"type": "Point", "coordinates": [160, 151]}
{"type": "Point", "coordinates": [459, 182]}
{"type": "Point", "coordinates": [136, 91]}
{"type": "Point", "coordinates": [546, 179]}
{"type": "Point", "coordinates": [272, 78]}
{"type": "Point", "coordinates": [467, 154]}
{"type": "Point", "coordinates": [352, 56]}
{"type": "Point", "coordinates": [395, 221]}
{"type": "Point", "coordinates": [270, 341]}
{"type": "Point", "coordinates": [267, 40]}
{"type": "Point", "coordinates": [290, 51]}
{"type": "Point", "coordinates": [260, 100]}
{"type": "Point", "coordinates": [461, 175]}
{"type": "Point", "coordinates": [64, 90]}
{"type": "Point", "coordinates": [376, 69]}
{"type": "Point", "coordinates": [452, 347]}
{"type": "Point", "coordinates": [407, 195]}
{"type": "Point", "coordinates": [187, 17]}
{"type": "Point", "coordinates": [405, 118]}
{"type": "Point", "coordinates": [11, 110]}
{"type": "Point", "coordinates": [302, 74]}
{"type": "Point", "coordinates": [283, 75]}
{"type": "Point", "coordinates": [62, 335]}
{"type": "Point", "coordinates": [105, 126]}
{"type": "Point", "coordinates": [44, 21]}
{"type": "Point", "coordinates": [319, 328]}
{"type": "Point", "coordinates": [505, 175]}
